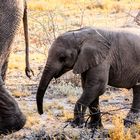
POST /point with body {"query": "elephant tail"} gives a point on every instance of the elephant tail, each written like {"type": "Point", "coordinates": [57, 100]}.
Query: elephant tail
{"type": "Point", "coordinates": [28, 70]}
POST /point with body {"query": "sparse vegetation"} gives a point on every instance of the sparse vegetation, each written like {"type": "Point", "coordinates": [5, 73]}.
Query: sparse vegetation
{"type": "Point", "coordinates": [18, 94]}
{"type": "Point", "coordinates": [90, 4]}
{"type": "Point", "coordinates": [119, 130]}
{"type": "Point", "coordinates": [47, 19]}
{"type": "Point", "coordinates": [31, 121]}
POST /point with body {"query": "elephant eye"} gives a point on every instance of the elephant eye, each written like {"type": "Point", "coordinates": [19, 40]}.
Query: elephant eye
{"type": "Point", "coordinates": [62, 58]}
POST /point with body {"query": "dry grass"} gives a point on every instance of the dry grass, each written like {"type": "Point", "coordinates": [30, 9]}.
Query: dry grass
{"type": "Point", "coordinates": [32, 121]}
{"type": "Point", "coordinates": [67, 115]}
{"type": "Point", "coordinates": [18, 94]}
{"type": "Point", "coordinates": [72, 99]}
{"type": "Point", "coordinates": [17, 61]}
{"type": "Point", "coordinates": [109, 5]}
{"type": "Point", "coordinates": [119, 132]}
{"type": "Point", "coordinates": [52, 105]}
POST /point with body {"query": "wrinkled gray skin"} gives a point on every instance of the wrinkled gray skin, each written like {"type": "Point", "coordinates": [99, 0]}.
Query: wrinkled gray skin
{"type": "Point", "coordinates": [12, 12]}
{"type": "Point", "coordinates": [102, 57]}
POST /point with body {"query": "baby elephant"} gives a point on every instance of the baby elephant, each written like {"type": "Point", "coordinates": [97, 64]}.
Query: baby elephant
{"type": "Point", "coordinates": [102, 57]}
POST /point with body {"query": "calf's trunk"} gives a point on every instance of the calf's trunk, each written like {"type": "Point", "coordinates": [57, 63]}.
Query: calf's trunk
{"type": "Point", "coordinates": [44, 82]}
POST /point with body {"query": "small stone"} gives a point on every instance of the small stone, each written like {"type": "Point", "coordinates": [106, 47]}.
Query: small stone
{"type": "Point", "coordinates": [58, 113]}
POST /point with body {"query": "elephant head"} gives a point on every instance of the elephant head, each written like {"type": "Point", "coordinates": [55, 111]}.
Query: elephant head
{"type": "Point", "coordinates": [78, 50]}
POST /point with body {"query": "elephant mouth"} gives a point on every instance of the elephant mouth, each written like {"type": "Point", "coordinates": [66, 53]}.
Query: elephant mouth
{"type": "Point", "coordinates": [64, 70]}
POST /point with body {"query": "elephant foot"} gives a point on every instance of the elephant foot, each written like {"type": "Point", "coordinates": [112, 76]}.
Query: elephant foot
{"type": "Point", "coordinates": [95, 124]}
{"type": "Point", "coordinates": [128, 123]}
{"type": "Point", "coordinates": [78, 122]}
{"type": "Point", "coordinates": [12, 123]}
{"type": "Point", "coordinates": [132, 119]}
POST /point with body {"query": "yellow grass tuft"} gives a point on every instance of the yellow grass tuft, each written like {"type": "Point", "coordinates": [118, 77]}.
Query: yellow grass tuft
{"type": "Point", "coordinates": [32, 120]}
{"type": "Point", "coordinates": [119, 132]}
{"type": "Point", "coordinates": [18, 94]}
{"type": "Point", "coordinates": [72, 99]}
{"type": "Point", "coordinates": [67, 115]}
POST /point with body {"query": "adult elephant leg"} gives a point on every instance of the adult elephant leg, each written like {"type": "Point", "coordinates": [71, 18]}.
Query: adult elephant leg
{"type": "Point", "coordinates": [134, 114]}
{"type": "Point", "coordinates": [79, 119]}
{"type": "Point", "coordinates": [4, 68]}
{"type": "Point", "coordinates": [11, 118]}
{"type": "Point", "coordinates": [95, 120]}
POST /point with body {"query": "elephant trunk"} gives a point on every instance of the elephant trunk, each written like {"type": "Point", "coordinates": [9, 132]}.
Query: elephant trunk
{"type": "Point", "coordinates": [44, 82]}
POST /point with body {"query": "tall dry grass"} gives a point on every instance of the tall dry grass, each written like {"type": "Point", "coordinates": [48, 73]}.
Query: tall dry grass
{"type": "Point", "coordinates": [109, 5]}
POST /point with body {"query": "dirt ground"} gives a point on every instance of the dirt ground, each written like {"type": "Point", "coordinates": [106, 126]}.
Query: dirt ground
{"type": "Point", "coordinates": [62, 94]}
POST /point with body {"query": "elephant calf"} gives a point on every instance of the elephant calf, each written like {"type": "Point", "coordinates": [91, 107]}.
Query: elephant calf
{"type": "Point", "coordinates": [102, 57]}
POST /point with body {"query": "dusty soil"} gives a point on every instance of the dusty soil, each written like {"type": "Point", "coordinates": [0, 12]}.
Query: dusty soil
{"type": "Point", "coordinates": [58, 109]}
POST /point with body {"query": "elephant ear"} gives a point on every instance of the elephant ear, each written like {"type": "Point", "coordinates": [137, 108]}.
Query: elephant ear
{"type": "Point", "coordinates": [92, 53]}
